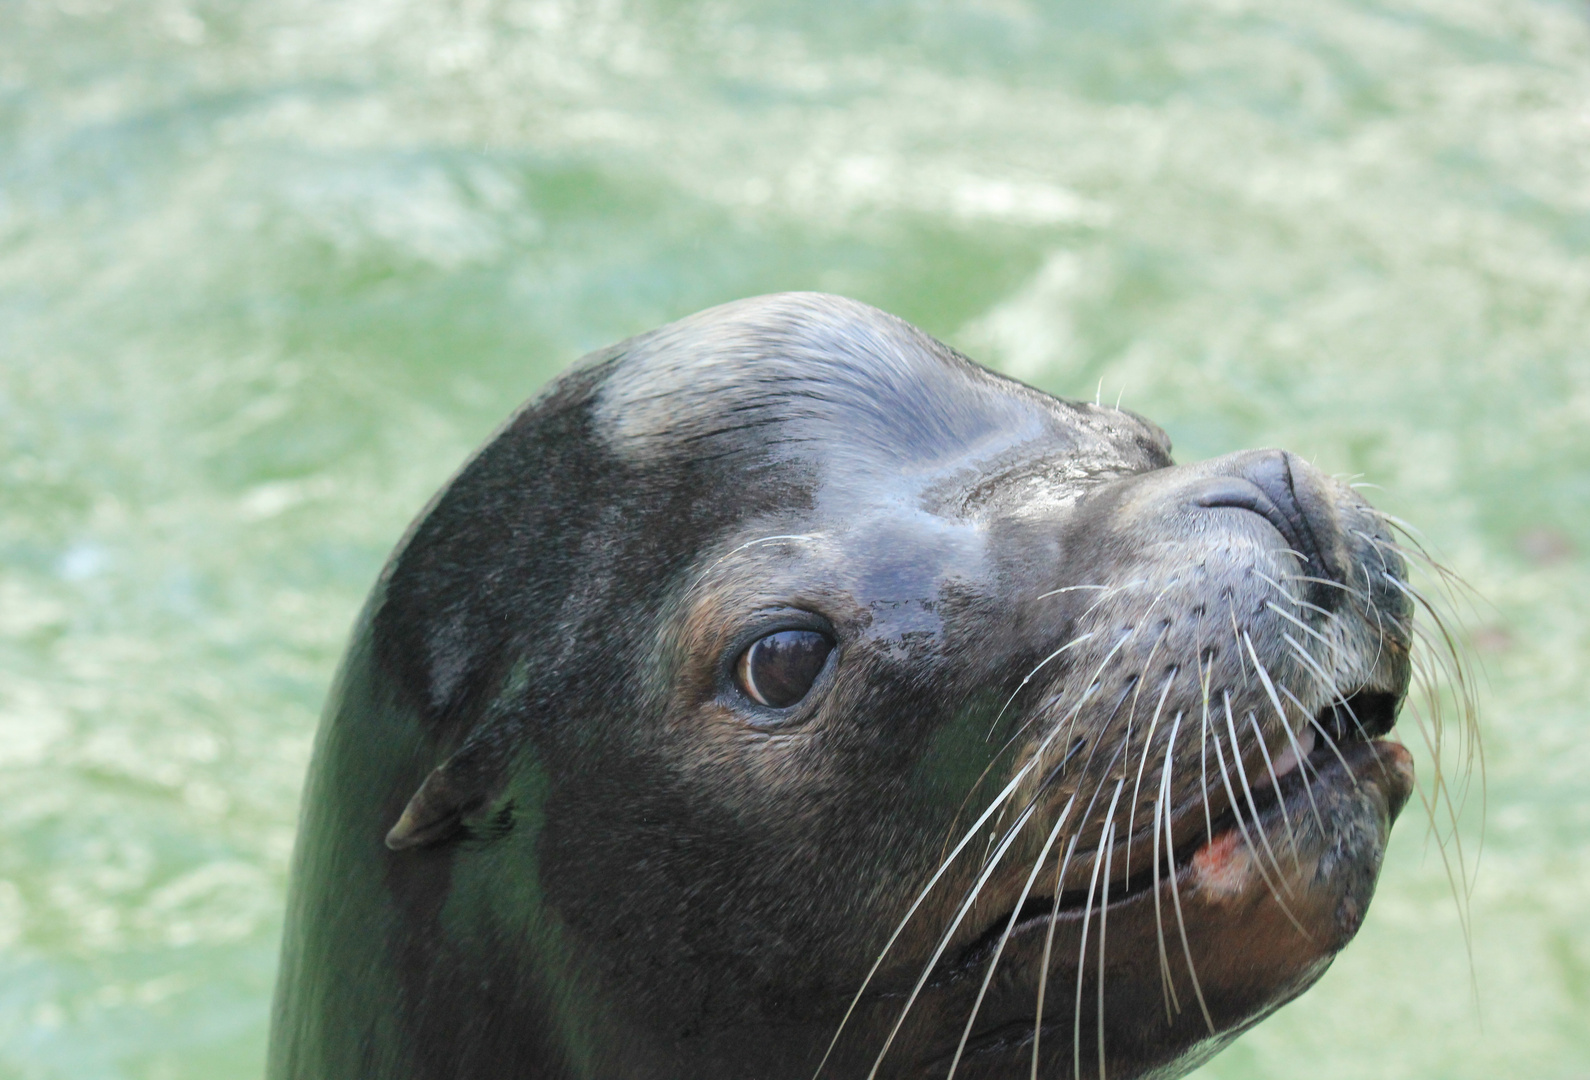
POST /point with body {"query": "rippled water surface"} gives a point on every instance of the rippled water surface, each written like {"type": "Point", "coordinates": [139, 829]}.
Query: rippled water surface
{"type": "Point", "coordinates": [269, 270]}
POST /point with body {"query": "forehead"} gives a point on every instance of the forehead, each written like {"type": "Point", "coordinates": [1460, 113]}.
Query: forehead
{"type": "Point", "coordinates": [806, 375]}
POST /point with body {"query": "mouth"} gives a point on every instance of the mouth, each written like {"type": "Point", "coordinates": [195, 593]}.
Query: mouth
{"type": "Point", "coordinates": [1340, 750]}
{"type": "Point", "coordinates": [1245, 912]}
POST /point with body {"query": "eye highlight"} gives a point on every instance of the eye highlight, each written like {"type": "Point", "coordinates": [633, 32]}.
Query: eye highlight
{"type": "Point", "coordinates": [778, 670]}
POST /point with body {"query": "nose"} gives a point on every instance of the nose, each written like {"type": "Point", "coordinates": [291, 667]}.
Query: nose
{"type": "Point", "coordinates": [1286, 493]}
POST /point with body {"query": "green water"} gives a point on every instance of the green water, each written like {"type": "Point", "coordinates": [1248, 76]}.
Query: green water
{"type": "Point", "coordinates": [268, 271]}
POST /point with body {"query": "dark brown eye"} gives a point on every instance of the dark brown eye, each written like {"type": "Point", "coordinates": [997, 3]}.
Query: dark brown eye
{"type": "Point", "coordinates": [779, 669]}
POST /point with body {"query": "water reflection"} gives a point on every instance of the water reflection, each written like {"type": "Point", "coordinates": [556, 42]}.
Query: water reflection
{"type": "Point", "coordinates": [268, 272]}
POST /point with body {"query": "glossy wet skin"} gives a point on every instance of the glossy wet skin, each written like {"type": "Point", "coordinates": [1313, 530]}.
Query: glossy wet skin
{"type": "Point", "coordinates": [627, 865]}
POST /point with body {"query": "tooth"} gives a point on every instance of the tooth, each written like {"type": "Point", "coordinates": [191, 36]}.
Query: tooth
{"type": "Point", "coordinates": [1287, 759]}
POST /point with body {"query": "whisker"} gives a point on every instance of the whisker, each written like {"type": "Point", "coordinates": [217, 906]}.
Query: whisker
{"type": "Point", "coordinates": [1373, 608]}
{"type": "Point", "coordinates": [1461, 896]}
{"type": "Point", "coordinates": [944, 865]}
{"type": "Point", "coordinates": [1203, 749]}
{"type": "Point", "coordinates": [1072, 588]}
{"type": "Point", "coordinates": [1330, 583]}
{"type": "Point", "coordinates": [1048, 942]}
{"type": "Point", "coordinates": [1104, 922]}
{"type": "Point", "coordinates": [1161, 809]}
{"type": "Point", "coordinates": [1087, 914]}
{"type": "Point", "coordinates": [1329, 685]}
{"type": "Point", "coordinates": [1054, 920]}
{"type": "Point", "coordinates": [991, 863]}
{"type": "Point", "coordinates": [1247, 790]}
{"type": "Point", "coordinates": [1286, 726]}
{"type": "Point", "coordinates": [1333, 647]}
{"type": "Point", "coordinates": [1319, 730]}
{"type": "Point", "coordinates": [1010, 925]}
{"type": "Point", "coordinates": [1242, 827]}
{"type": "Point", "coordinates": [1137, 784]}
{"type": "Point", "coordinates": [1073, 643]}
{"type": "Point", "coordinates": [944, 940]}
{"type": "Point", "coordinates": [1275, 785]}
{"type": "Point", "coordinates": [1236, 639]}
{"type": "Point", "coordinates": [1328, 616]}
{"type": "Point", "coordinates": [1181, 922]}
{"type": "Point", "coordinates": [1442, 659]}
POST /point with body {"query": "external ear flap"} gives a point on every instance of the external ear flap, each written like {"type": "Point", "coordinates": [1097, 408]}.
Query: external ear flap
{"type": "Point", "coordinates": [457, 788]}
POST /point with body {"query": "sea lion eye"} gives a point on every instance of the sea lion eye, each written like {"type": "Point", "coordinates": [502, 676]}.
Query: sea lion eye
{"type": "Point", "coordinates": [779, 669]}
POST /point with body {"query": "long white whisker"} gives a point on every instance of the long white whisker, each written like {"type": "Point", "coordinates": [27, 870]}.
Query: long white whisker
{"type": "Point", "coordinates": [1242, 827]}
{"type": "Point", "coordinates": [1010, 925]}
{"type": "Point", "coordinates": [1104, 922]}
{"type": "Point", "coordinates": [1162, 810]}
{"type": "Point", "coordinates": [1137, 784]}
{"type": "Point", "coordinates": [944, 865]}
{"type": "Point", "coordinates": [1269, 688]}
{"type": "Point", "coordinates": [1247, 789]}
{"type": "Point", "coordinates": [1181, 923]}
{"type": "Point", "coordinates": [1087, 914]}
{"type": "Point", "coordinates": [944, 940]}
{"type": "Point", "coordinates": [1054, 920]}
{"type": "Point", "coordinates": [1041, 665]}
{"type": "Point", "coordinates": [1286, 728]}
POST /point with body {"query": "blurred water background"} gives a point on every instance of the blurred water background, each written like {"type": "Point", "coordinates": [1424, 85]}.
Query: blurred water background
{"type": "Point", "coordinates": [268, 271]}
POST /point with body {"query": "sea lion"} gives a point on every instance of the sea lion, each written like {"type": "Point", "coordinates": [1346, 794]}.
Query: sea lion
{"type": "Point", "coordinates": [783, 695]}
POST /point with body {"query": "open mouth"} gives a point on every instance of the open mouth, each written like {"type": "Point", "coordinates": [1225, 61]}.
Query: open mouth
{"type": "Point", "coordinates": [1342, 740]}
{"type": "Point", "coordinates": [1251, 904]}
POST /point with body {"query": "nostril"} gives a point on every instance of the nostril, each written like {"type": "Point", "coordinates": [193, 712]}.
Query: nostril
{"type": "Point", "coordinates": [1293, 498]}
{"type": "Point", "coordinates": [1266, 488]}
{"type": "Point", "coordinates": [1241, 494]}
{"type": "Point", "coordinates": [1271, 473]}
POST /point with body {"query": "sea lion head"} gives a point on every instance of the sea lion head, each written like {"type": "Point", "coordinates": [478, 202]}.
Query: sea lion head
{"type": "Point", "coordinates": [783, 693]}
